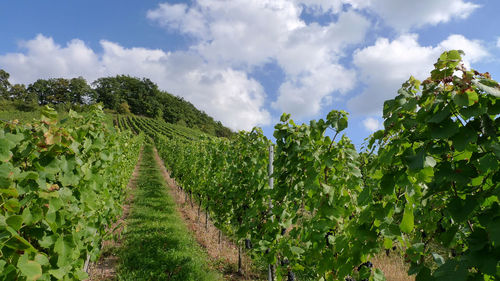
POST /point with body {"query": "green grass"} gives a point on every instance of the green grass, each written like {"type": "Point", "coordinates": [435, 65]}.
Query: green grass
{"type": "Point", "coordinates": [8, 115]}
{"type": "Point", "coordinates": [157, 245]}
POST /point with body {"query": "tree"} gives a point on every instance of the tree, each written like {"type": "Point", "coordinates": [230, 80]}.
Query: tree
{"type": "Point", "coordinates": [107, 92]}
{"type": "Point", "coordinates": [40, 89]}
{"type": "Point", "coordinates": [80, 91]}
{"type": "Point", "coordinates": [59, 91]}
{"type": "Point", "coordinates": [19, 92]}
{"type": "Point", "coordinates": [124, 108]}
{"type": "Point", "coordinates": [4, 84]}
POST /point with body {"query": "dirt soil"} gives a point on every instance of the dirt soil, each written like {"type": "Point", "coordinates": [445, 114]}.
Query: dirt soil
{"type": "Point", "coordinates": [224, 255]}
{"type": "Point", "coordinates": [393, 267]}
{"type": "Point", "coordinates": [105, 267]}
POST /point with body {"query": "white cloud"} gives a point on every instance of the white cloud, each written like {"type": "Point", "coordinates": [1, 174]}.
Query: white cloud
{"type": "Point", "coordinates": [179, 17]}
{"type": "Point", "coordinates": [244, 34]}
{"type": "Point", "coordinates": [44, 59]}
{"type": "Point", "coordinates": [498, 42]}
{"type": "Point", "coordinates": [405, 14]}
{"type": "Point", "coordinates": [247, 34]}
{"type": "Point", "coordinates": [226, 94]}
{"type": "Point", "coordinates": [474, 50]}
{"type": "Point", "coordinates": [383, 74]}
{"type": "Point", "coordinates": [371, 124]}
{"type": "Point", "coordinates": [305, 95]}
{"type": "Point", "coordinates": [401, 15]}
{"type": "Point", "coordinates": [232, 38]}
{"type": "Point", "coordinates": [237, 32]}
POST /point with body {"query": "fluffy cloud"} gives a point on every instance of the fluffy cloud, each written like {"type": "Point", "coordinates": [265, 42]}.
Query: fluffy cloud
{"type": "Point", "coordinates": [237, 32]}
{"type": "Point", "coordinates": [44, 59]}
{"type": "Point", "coordinates": [405, 14]}
{"type": "Point", "coordinates": [383, 74]}
{"type": "Point", "coordinates": [226, 94]}
{"type": "Point", "coordinates": [401, 15]}
{"type": "Point", "coordinates": [474, 50]}
{"type": "Point", "coordinates": [246, 34]}
{"type": "Point", "coordinates": [498, 42]}
{"type": "Point", "coordinates": [304, 96]}
{"type": "Point", "coordinates": [371, 124]}
{"type": "Point", "coordinates": [179, 17]}
{"type": "Point", "coordinates": [234, 38]}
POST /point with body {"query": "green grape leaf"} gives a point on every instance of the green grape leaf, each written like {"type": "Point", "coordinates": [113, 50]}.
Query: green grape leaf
{"type": "Point", "coordinates": [451, 271]}
{"type": "Point", "coordinates": [489, 88]}
{"type": "Point", "coordinates": [15, 222]}
{"type": "Point", "coordinates": [41, 259]}
{"type": "Point", "coordinates": [416, 162]}
{"type": "Point", "coordinates": [378, 275]}
{"type": "Point", "coordinates": [488, 162]}
{"type": "Point", "coordinates": [61, 272]}
{"type": "Point", "coordinates": [296, 250]}
{"type": "Point", "coordinates": [424, 275]}
{"type": "Point", "coordinates": [5, 147]}
{"type": "Point", "coordinates": [407, 223]}
{"type": "Point", "coordinates": [438, 259]}
{"type": "Point", "coordinates": [443, 130]}
{"type": "Point", "coordinates": [31, 269]}
{"type": "Point", "coordinates": [387, 184]}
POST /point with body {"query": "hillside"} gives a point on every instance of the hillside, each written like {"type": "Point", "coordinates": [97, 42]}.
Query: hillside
{"type": "Point", "coordinates": [152, 127]}
{"type": "Point", "coordinates": [121, 94]}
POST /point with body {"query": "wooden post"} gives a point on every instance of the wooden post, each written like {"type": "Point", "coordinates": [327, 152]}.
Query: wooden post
{"type": "Point", "coordinates": [198, 218]}
{"type": "Point", "coordinates": [270, 269]}
{"type": "Point", "coordinates": [206, 218]}
{"type": "Point", "coordinates": [239, 259]}
{"type": "Point", "coordinates": [86, 265]}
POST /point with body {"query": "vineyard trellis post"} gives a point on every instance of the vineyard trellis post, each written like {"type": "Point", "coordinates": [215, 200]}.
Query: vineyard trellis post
{"type": "Point", "coordinates": [270, 273]}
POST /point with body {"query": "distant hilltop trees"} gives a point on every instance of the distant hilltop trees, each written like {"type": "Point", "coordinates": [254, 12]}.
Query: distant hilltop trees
{"type": "Point", "coordinates": [122, 94]}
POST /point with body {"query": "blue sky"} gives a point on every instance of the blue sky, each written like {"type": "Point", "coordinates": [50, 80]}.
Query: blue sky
{"type": "Point", "coordinates": [244, 62]}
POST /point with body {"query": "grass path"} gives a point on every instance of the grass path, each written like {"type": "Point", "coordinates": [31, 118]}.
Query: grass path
{"type": "Point", "coordinates": [156, 244]}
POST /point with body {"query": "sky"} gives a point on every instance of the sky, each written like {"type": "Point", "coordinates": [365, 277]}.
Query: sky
{"type": "Point", "coordinates": [245, 62]}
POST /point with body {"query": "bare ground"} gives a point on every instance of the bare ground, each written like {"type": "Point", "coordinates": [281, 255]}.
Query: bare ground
{"type": "Point", "coordinates": [224, 256]}
{"type": "Point", "coordinates": [393, 267]}
{"type": "Point", "coordinates": [105, 267]}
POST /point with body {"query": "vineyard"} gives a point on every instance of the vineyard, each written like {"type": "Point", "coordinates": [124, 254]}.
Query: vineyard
{"type": "Point", "coordinates": [311, 205]}
{"type": "Point", "coordinates": [60, 188]}
{"type": "Point", "coordinates": [154, 127]}
{"type": "Point", "coordinates": [426, 185]}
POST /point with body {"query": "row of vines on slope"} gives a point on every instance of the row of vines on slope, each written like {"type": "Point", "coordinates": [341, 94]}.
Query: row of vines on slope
{"type": "Point", "coordinates": [152, 127]}
{"type": "Point", "coordinates": [427, 182]}
{"type": "Point", "coordinates": [61, 186]}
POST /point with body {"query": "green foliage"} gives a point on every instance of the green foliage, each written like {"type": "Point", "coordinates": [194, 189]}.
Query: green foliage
{"type": "Point", "coordinates": [440, 153]}
{"type": "Point", "coordinates": [4, 84]}
{"type": "Point", "coordinates": [317, 180]}
{"type": "Point", "coordinates": [154, 127]}
{"type": "Point", "coordinates": [122, 94]}
{"type": "Point", "coordinates": [57, 91]}
{"type": "Point", "coordinates": [124, 108]}
{"type": "Point", "coordinates": [428, 182]}
{"type": "Point", "coordinates": [145, 99]}
{"type": "Point", "coordinates": [60, 187]}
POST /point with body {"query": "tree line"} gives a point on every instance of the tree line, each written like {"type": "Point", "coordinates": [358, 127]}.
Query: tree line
{"type": "Point", "coordinates": [122, 93]}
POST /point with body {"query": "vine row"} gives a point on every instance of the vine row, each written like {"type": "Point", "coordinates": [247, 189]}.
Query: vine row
{"type": "Point", "coordinates": [427, 183]}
